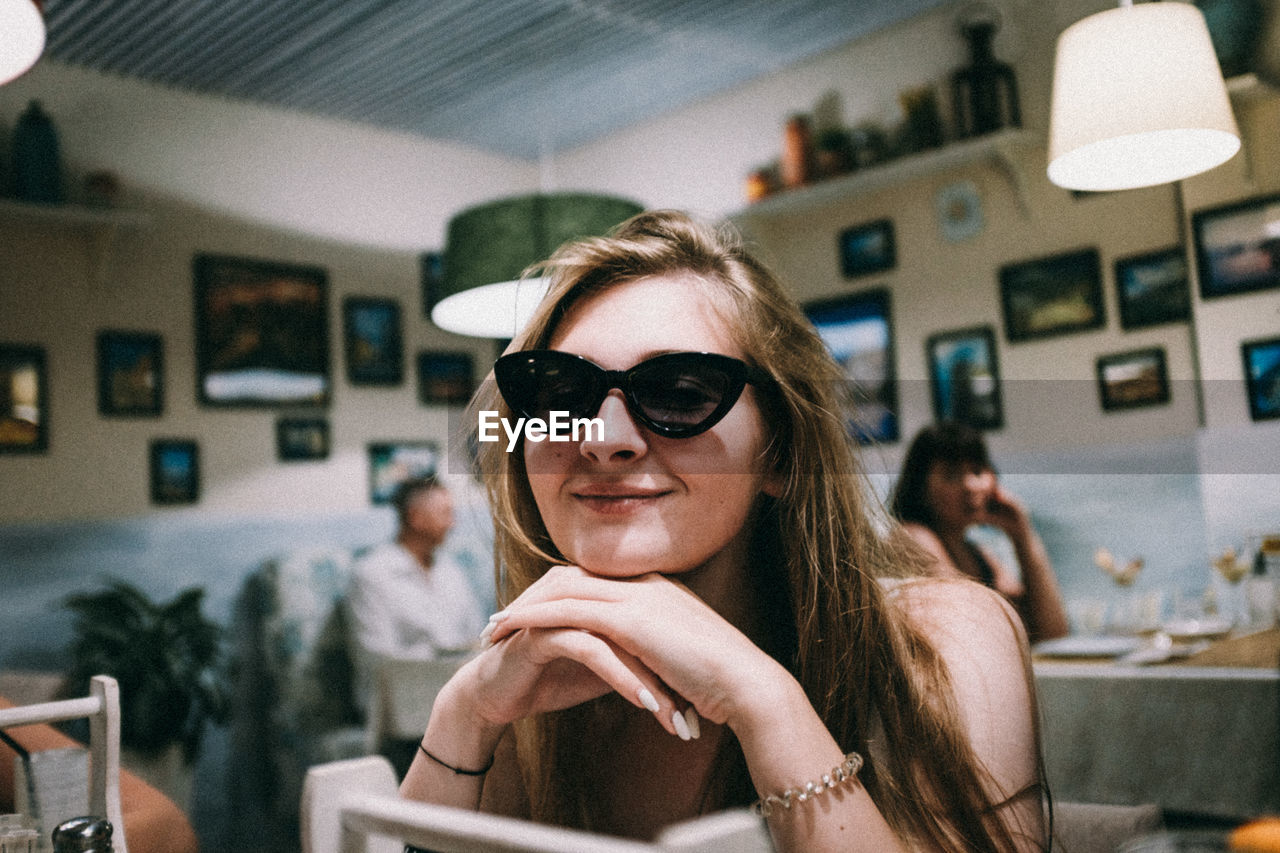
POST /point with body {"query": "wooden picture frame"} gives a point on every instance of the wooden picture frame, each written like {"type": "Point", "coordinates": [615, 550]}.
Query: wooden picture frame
{"type": "Point", "coordinates": [1050, 296]}
{"type": "Point", "coordinates": [302, 439]}
{"type": "Point", "coordinates": [858, 331]}
{"type": "Point", "coordinates": [867, 248]}
{"type": "Point", "coordinates": [373, 341]}
{"type": "Point", "coordinates": [130, 373]}
{"type": "Point", "coordinates": [1262, 377]}
{"type": "Point", "coordinates": [1133, 379]}
{"type": "Point", "coordinates": [445, 377]}
{"type": "Point", "coordinates": [175, 471]}
{"type": "Point", "coordinates": [262, 333]}
{"type": "Point", "coordinates": [1153, 288]}
{"type": "Point", "coordinates": [24, 399]}
{"type": "Point", "coordinates": [1238, 246]}
{"type": "Point", "coordinates": [964, 377]}
{"type": "Point", "coordinates": [393, 462]}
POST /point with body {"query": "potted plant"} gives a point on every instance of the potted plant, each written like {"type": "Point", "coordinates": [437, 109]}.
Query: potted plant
{"type": "Point", "coordinates": [167, 659]}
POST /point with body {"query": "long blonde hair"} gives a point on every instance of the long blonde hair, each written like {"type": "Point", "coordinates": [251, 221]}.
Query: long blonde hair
{"type": "Point", "coordinates": [862, 666]}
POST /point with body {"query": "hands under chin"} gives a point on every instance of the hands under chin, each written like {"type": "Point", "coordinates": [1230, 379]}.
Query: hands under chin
{"type": "Point", "coordinates": [573, 636]}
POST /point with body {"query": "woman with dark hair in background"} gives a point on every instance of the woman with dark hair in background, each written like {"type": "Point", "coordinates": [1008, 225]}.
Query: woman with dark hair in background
{"type": "Point", "coordinates": [947, 486]}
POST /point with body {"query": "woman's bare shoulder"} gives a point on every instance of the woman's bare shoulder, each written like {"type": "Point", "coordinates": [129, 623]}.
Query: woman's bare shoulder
{"type": "Point", "coordinates": [958, 609]}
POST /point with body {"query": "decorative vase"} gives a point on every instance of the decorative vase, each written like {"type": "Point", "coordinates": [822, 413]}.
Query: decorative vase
{"type": "Point", "coordinates": [37, 162]}
{"type": "Point", "coordinates": [985, 93]}
{"type": "Point", "coordinates": [797, 152]}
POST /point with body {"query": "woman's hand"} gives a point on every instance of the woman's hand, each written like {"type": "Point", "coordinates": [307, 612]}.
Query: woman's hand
{"type": "Point", "coordinates": [1004, 510]}
{"type": "Point", "coordinates": [658, 629]}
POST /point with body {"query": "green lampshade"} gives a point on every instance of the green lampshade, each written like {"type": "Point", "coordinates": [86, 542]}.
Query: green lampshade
{"type": "Point", "coordinates": [497, 241]}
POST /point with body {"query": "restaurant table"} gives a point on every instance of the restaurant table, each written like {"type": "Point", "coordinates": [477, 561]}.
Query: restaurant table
{"type": "Point", "coordinates": [1199, 736]}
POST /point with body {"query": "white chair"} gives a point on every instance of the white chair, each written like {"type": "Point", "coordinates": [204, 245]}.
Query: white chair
{"type": "Point", "coordinates": [353, 807]}
{"type": "Point", "coordinates": [403, 691]}
{"type": "Point", "coordinates": [102, 708]}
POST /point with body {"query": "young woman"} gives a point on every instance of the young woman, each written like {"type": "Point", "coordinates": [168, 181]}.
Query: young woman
{"type": "Point", "coordinates": [698, 612]}
{"type": "Point", "coordinates": [947, 486]}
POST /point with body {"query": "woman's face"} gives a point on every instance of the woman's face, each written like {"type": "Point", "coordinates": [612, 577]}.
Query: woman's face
{"type": "Point", "coordinates": [958, 492]}
{"type": "Point", "coordinates": [631, 502]}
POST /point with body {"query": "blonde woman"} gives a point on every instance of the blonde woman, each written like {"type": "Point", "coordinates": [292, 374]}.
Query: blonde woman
{"type": "Point", "coordinates": [698, 605]}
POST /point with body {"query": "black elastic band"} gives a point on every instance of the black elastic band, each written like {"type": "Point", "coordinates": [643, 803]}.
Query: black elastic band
{"type": "Point", "coordinates": [457, 770]}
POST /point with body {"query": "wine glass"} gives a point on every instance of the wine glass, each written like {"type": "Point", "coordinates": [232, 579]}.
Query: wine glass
{"type": "Point", "coordinates": [1233, 566]}
{"type": "Point", "coordinates": [1127, 618]}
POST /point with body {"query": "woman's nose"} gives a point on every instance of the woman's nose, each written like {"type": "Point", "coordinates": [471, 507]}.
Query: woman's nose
{"type": "Point", "coordinates": [618, 438]}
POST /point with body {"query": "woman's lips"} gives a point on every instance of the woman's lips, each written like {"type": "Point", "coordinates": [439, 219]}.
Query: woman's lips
{"type": "Point", "coordinates": [617, 499]}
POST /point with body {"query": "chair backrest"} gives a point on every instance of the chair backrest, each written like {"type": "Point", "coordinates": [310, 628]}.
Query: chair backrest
{"type": "Point", "coordinates": [102, 707]}
{"type": "Point", "coordinates": [1101, 828]}
{"type": "Point", "coordinates": [351, 806]}
{"type": "Point", "coordinates": [403, 692]}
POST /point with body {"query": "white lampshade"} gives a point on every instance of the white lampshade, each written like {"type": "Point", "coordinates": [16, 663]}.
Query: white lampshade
{"type": "Point", "coordinates": [498, 310]}
{"type": "Point", "coordinates": [21, 37]}
{"type": "Point", "coordinates": [1138, 100]}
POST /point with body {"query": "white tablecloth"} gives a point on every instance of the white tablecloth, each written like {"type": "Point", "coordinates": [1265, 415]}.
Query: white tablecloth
{"type": "Point", "coordinates": [1200, 740]}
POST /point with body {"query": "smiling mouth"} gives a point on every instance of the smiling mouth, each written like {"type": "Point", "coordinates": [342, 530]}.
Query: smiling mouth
{"type": "Point", "coordinates": [618, 500]}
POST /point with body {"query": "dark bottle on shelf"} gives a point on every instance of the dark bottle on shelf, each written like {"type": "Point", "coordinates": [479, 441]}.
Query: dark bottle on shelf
{"type": "Point", "coordinates": [985, 93]}
{"type": "Point", "coordinates": [37, 161]}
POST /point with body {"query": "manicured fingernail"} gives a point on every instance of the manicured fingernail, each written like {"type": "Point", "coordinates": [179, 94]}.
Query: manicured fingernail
{"type": "Point", "coordinates": [691, 720]}
{"type": "Point", "coordinates": [498, 617]}
{"type": "Point", "coordinates": [487, 632]}
{"type": "Point", "coordinates": [682, 728]}
{"type": "Point", "coordinates": [647, 700]}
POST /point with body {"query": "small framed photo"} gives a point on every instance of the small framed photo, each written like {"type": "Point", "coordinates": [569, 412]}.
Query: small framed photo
{"type": "Point", "coordinates": [1153, 288]}
{"type": "Point", "coordinates": [262, 333]}
{"type": "Point", "coordinates": [130, 373]}
{"type": "Point", "coordinates": [374, 342]}
{"type": "Point", "coordinates": [302, 439]}
{"type": "Point", "coordinates": [445, 377]}
{"type": "Point", "coordinates": [1051, 296]}
{"type": "Point", "coordinates": [867, 249]}
{"type": "Point", "coordinates": [393, 462]}
{"type": "Point", "coordinates": [1238, 246]}
{"type": "Point", "coordinates": [965, 377]}
{"type": "Point", "coordinates": [24, 400]}
{"type": "Point", "coordinates": [431, 272]}
{"type": "Point", "coordinates": [1262, 377]}
{"type": "Point", "coordinates": [175, 471]}
{"type": "Point", "coordinates": [858, 330]}
{"type": "Point", "coordinates": [1131, 380]}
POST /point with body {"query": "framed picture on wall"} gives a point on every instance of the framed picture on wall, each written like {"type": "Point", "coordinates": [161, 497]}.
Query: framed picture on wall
{"type": "Point", "coordinates": [1131, 380]}
{"type": "Point", "coordinates": [130, 373]}
{"type": "Point", "coordinates": [302, 439]}
{"type": "Point", "coordinates": [24, 400]}
{"type": "Point", "coordinates": [262, 333]}
{"type": "Point", "coordinates": [1152, 288]}
{"type": "Point", "coordinates": [175, 471]}
{"type": "Point", "coordinates": [965, 377]}
{"type": "Point", "coordinates": [393, 462]}
{"type": "Point", "coordinates": [445, 378]}
{"type": "Point", "coordinates": [373, 341]}
{"type": "Point", "coordinates": [858, 330]}
{"type": "Point", "coordinates": [431, 273]}
{"type": "Point", "coordinates": [867, 249]}
{"type": "Point", "coordinates": [1052, 296]}
{"type": "Point", "coordinates": [1262, 377]}
{"type": "Point", "coordinates": [1238, 246]}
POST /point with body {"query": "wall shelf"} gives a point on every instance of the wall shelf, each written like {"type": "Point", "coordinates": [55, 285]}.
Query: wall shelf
{"type": "Point", "coordinates": [998, 149]}
{"type": "Point", "coordinates": [99, 226]}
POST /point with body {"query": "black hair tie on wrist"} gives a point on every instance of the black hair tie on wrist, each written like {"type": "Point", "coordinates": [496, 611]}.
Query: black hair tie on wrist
{"type": "Point", "coordinates": [458, 770]}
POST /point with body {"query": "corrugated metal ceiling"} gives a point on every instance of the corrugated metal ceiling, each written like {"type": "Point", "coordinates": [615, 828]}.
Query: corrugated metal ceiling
{"type": "Point", "coordinates": [516, 77]}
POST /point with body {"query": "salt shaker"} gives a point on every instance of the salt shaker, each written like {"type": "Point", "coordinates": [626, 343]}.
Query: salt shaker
{"type": "Point", "coordinates": [86, 834]}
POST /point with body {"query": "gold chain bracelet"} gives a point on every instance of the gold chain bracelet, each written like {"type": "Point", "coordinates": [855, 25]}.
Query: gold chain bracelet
{"type": "Point", "coordinates": [846, 770]}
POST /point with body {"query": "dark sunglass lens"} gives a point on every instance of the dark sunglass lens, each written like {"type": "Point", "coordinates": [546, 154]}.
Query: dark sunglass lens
{"type": "Point", "coordinates": [536, 385]}
{"type": "Point", "coordinates": [681, 394]}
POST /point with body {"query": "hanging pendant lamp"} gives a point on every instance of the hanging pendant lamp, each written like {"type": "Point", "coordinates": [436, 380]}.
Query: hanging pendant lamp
{"type": "Point", "coordinates": [1138, 100]}
{"type": "Point", "coordinates": [488, 248]}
